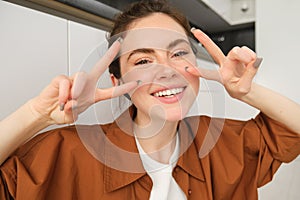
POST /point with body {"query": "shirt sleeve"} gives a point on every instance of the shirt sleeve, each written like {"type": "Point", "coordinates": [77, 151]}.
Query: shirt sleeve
{"type": "Point", "coordinates": [4, 192]}
{"type": "Point", "coordinates": [28, 165]}
{"type": "Point", "coordinates": [277, 144]}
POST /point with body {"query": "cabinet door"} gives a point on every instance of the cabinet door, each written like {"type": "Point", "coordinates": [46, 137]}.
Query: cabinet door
{"type": "Point", "coordinates": [33, 51]}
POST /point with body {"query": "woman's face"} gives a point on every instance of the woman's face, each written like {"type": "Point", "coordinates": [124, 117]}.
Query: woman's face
{"type": "Point", "coordinates": [156, 51]}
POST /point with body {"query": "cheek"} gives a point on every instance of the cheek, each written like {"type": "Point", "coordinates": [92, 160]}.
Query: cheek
{"type": "Point", "coordinates": [140, 95]}
{"type": "Point", "coordinates": [146, 75]}
{"type": "Point", "coordinates": [194, 82]}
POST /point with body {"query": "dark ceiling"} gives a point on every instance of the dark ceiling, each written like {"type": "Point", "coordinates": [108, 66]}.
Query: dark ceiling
{"type": "Point", "coordinates": [198, 13]}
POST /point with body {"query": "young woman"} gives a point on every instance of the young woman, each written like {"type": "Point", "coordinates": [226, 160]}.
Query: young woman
{"type": "Point", "coordinates": [153, 151]}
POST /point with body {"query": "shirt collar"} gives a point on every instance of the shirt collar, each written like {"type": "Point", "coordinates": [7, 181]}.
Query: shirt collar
{"type": "Point", "coordinates": [189, 160]}
{"type": "Point", "coordinates": [152, 165]}
{"type": "Point", "coordinates": [121, 151]}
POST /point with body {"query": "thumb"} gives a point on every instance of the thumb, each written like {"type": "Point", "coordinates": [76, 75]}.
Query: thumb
{"type": "Point", "coordinates": [103, 94]}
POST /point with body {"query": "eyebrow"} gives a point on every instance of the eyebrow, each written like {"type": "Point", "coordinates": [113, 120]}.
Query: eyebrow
{"type": "Point", "coordinates": [176, 42]}
{"type": "Point", "coordinates": [151, 51]}
{"type": "Point", "coordinates": [142, 50]}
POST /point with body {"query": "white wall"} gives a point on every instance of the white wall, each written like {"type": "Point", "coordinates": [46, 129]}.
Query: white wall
{"type": "Point", "coordinates": [278, 42]}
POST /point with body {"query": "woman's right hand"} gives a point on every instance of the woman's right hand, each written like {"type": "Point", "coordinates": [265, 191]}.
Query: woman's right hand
{"type": "Point", "coordinates": [66, 97]}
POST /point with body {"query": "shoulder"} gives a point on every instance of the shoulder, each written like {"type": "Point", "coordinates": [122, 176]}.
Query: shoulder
{"type": "Point", "coordinates": [224, 125]}
{"type": "Point", "coordinates": [49, 139]}
{"type": "Point", "coordinates": [211, 132]}
{"type": "Point", "coordinates": [58, 141]}
{"type": "Point", "coordinates": [58, 155]}
{"type": "Point", "coordinates": [57, 147]}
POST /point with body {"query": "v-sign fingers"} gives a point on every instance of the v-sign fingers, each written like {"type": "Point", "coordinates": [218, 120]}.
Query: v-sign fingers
{"type": "Point", "coordinates": [106, 60]}
{"type": "Point", "coordinates": [215, 52]}
{"type": "Point", "coordinates": [79, 83]}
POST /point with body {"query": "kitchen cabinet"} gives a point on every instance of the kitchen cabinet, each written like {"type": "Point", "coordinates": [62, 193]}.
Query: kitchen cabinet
{"type": "Point", "coordinates": [33, 50]}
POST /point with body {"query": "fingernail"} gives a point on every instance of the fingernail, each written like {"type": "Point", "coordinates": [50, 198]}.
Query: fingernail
{"type": "Point", "coordinates": [192, 29]}
{"type": "Point", "coordinates": [139, 82]}
{"type": "Point", "coordinates": [257, 62]}
{"type": "Point", "coordinates": [74, 107]}
{"type": "Point", "coordinates": [127, 96]}
{"type": "Point", "coordinates": [120, 39]}
{"type": "Point", "coordinates": [186, 68]}
{"type": "Point", "coordinates": [61, 106]}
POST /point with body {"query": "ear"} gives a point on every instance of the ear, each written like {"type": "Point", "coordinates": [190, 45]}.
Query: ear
{"type": "Point", "coordinates": [114, 80]}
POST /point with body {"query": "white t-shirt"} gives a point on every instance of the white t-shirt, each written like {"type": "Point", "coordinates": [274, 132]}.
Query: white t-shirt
{"type": "Point", "coordinates": [164, 185]}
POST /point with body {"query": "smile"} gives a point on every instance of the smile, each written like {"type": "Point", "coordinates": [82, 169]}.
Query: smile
{"type": "Point", "coordinates": [168, 93]}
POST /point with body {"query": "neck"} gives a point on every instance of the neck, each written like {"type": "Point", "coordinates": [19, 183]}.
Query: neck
{"type": "Point", "coordinates": [157, 139]}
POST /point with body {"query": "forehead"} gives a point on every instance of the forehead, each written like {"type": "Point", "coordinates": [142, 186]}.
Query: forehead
{"type": "Point", "coordinates": [154, 31]}
{"type": "Point", "coordinates": [150, 38]}
{"type": "Point", "coordinates": [157, 20]}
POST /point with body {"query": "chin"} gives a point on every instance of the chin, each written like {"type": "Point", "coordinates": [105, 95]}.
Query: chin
{"type": "Point", "coordinates": [172, 114]}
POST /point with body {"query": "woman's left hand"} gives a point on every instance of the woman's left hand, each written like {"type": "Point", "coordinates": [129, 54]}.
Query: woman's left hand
{"type": "Point", "coordinates": [236, 71]}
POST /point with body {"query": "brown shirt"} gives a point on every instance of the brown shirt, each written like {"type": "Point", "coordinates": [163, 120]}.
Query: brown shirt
{"type": "Point", "coordinates": [89, 162]}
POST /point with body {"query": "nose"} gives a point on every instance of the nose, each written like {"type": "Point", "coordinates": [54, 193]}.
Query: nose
{"type": "Point", "coordinates": [165, 72]}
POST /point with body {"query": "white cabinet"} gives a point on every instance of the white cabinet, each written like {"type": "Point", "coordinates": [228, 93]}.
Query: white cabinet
{"type": "Point", "coordinates": [33, 50]}
{"type": "Point", "coordinates": [87, 45]}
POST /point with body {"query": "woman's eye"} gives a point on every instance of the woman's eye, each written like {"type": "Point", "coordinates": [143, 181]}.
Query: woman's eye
{"type": "Point", "coordinates": [179, 53]}
{"type": "Point", "coordinates": [142, 62]}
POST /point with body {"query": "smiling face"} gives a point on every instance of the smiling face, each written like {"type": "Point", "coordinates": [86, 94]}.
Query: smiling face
{"type": "Point", "coordinates": [156, 50]}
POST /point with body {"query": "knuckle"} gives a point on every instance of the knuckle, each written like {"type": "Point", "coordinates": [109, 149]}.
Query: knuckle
{"type": "Point", "coordinates": [60, 78]}
{"type": "Point", "coordinates": [246, 48]}
{"type": "Point", "coordinates": [234, 51]}
{"type": "Point", "coordinates": [249, 51]}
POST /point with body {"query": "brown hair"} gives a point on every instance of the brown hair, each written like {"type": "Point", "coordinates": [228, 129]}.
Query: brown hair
{"type": "Point", "coordinates": [139, 10]}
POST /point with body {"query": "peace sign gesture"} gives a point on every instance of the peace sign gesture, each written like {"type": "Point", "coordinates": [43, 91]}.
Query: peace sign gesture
{"type": "Point", "coordinates": [66, 97]}
{"type": "Point", "coordinates": [237, 69]}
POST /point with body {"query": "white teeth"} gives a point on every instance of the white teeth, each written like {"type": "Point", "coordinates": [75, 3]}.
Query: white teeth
{"type": "Point", "coordinates": [168, 92]}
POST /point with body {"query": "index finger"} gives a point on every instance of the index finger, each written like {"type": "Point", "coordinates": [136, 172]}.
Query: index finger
{"type": "Point", "coordinates": [106, 60]}
{"type": "Point", "coordinates": [215, 52]}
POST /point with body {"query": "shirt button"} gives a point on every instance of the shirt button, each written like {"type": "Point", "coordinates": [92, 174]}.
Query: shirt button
{"type": "Point", "coordinates": [189, 191]}
{"type": "Point", "coordinates": [176, 169]}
